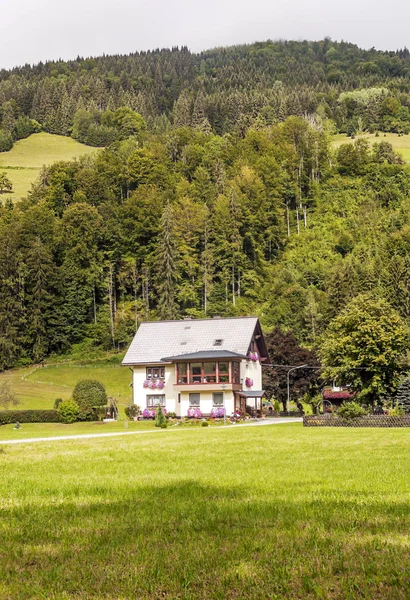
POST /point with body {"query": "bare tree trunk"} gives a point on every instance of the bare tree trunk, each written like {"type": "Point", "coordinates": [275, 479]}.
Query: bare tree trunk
{"type": "Point", "coordinates": [297, 219]}
{"type": "Point", "coordinates": [305, 215]}
{"type": "Point", "coordinates": [110, 301]}
{"type": "Point", "coordinates": [135, 275]}
{"type": "Point", "coordinates": [95, 305]}
{"type": "Point", "coordinates": [233, 285]}
{"type": "Point", "coordinates": [287, 218]}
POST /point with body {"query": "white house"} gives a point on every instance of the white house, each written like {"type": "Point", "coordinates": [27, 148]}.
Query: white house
{"type": "Point", "coordinates": [202, 363]}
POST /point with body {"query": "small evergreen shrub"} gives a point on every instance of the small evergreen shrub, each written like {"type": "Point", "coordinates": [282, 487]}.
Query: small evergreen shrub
{"type": "Point", "coordinates": [205, 424]}
{"type": "Point", "coordinates": [351, 410]}
{"type": "Point", "coordinates": [160, 419]}
{"type": "Point", "coordinates": [68, 411]}
{"type": "Point", "coordinates": [164, 425]}
{"type": "Point", "coordinates": [57, 402]}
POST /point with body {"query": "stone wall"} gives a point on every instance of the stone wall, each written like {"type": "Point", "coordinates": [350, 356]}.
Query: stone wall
{"type": "Point", "coordinates": [367, 421]}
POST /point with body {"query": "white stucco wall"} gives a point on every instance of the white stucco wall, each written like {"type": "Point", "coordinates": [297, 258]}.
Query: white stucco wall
{"type": "Point", "coordinates": [141, 393]}
{"type": "Point", "coordinates": [248, 368]}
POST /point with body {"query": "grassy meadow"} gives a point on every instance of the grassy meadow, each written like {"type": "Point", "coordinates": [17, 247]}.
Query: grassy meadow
{"type": "Point", "coordinates": [400, 143]}
{"type": "Point", "coordinates": [22, 164]}
{"type": "Point", "coordinates": [278, 512]}
{"type": "Point", "coordinates": [38, 388]}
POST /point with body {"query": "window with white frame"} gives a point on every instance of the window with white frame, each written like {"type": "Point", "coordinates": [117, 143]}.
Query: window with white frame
{"type": "Point", "coordinates": [194, 399]}
{"type": "Point", "coordinates": [155, 400]}
{"type": "Point", "coordinates": [218, 399]}
{"type": "Point", "coordinates": [155, 372]}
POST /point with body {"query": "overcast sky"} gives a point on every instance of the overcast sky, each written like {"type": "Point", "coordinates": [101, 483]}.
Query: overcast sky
{"type": "Point", "coordinates": [34, 30]}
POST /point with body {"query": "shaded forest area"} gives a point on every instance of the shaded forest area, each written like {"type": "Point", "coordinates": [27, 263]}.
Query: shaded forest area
{"type": "Point", "coordinates": [220, 195]}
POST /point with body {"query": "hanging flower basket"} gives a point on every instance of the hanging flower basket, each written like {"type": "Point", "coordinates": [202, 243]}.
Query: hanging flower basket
{"type": "Point", "coordinates": [145, 384]}
{"type": "Point", "coordinates": [253, 356]}
{"type": "Point", "coordinates": [248, 382]}
{"type": "Point", "coordinates": [148, 413]}
{"type": "Point", "coordinates": [218, 412]}
{"type": "Point", "coordinates": [161, 384]}
{"type": "Point", "coordinates": [152, 384]}
{"type": "Point", "coordinates": [194, 413]}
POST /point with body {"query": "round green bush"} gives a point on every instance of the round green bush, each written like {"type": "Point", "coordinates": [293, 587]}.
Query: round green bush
{"type": "Point", "coordinates": [68, 411]}
{"type": "Point", "coordinates": [164, 425]}
{"type": "Point", "coordinates": [90, 395]}
{"type": "Point", "coordinates": [205, 424]}
{"type": "Point", "coordinates": [351, 410]}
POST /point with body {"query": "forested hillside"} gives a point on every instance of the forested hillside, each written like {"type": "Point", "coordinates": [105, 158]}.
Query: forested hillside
{"type": "Point", "coordinates": [221, 90]}
{"type": "Point", "coordinates": [222, 195]}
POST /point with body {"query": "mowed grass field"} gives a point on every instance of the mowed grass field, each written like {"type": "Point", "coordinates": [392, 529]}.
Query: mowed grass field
{"type": "Point", "coordinates": [38, 388]}
{"type": "Point", "coordinates": [278, 512]}
{"type": "Point", "coordinates": [23, 163]}
{"type": "Point", "coordinates": [400, 143]}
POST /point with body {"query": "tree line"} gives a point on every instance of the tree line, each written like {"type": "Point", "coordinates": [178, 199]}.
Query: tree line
{"type": "Point", "coordinates": [220, 91]}
{"type": "Point", "coordinates": [272, 222]}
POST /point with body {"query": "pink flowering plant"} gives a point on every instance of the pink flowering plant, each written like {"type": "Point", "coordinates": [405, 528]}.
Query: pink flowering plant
{"type": "Point", "coordinates": [253, 356]}
{"type": "Point", "coordinates": [194, 413]}
{"type": "Point", "coordinates": [217, 412]}
{"type": "Point", "coordinates": [161, 384]}
{"type": "Point", "coordinates": [248, 382]}
{"type": "Point", "coordinates": [235, 417]}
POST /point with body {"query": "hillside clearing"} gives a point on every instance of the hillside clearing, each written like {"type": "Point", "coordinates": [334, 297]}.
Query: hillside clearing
{"type": "Point", "coordinates": [208, 514]}
{"type": "Point", "coordinates": [38, 387]}
{"type": "Point", "coordinates": [400, 143]}
{"type": "Point", "coordinates": [22, 164]}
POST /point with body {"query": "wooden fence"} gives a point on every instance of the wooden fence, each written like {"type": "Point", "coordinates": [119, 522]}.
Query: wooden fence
{"type": "Point", "coordinates": [366, 421]}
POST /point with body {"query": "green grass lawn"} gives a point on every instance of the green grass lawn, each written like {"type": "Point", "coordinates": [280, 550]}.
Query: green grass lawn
{"type": "Point", "coordinates": [23, 162]}
{"type": "Point", "coordinates": [399, 143]}
{"type": "Point", "coordinates": [39, 387]}
{"type": "Point", "coordinates": [278, 512]}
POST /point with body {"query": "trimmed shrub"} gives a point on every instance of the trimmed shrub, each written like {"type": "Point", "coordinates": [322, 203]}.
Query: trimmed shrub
{"type": "Point", "coordinates": [132, 411]}
{"type": "Point", "coordinates": [57, 402]}
{"type": "Point", "coordinates": [8, 417]}
{"type": "Point", "coordinates": [90, 395]}
{"type": "Point", "coordinates": [69, 411]}
{"type": "Point", "coordinates": [351, 410]}
{"type": "Point", "coordinates": [204, 424]}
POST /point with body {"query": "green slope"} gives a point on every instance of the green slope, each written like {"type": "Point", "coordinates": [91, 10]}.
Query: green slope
{"type": "Point", "coordinates": [24, 161]}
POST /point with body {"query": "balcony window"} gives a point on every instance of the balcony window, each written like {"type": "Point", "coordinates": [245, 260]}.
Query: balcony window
{"type": "Point", "coordinates": [218, 399]}
{"type": "Point", "coordinates": [155, 372]}
{"type": "Point", "coordinates": [236, 378]}
{"type": "Point", "coordinates": [196, 372]}
{"type": "Point", "coordinates": [182, 373]}
{"type": "Point", "coordinates": [223, 372]}
{"type": "Point", "coordinates": [194, 399]}
{"type": "Point", "coordinates": [155, 400]}
{"type": "Point", "coordinates": [209, 372]}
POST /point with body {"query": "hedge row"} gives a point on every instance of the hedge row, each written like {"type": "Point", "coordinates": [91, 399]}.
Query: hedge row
{"type": "Point", "coordinates": [366, 421]}
{"type": "Point", "coordinates": [29, 416]}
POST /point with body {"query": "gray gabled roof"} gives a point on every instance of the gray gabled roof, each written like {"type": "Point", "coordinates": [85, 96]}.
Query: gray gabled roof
{"type": "Point", "coordinates": [217, 355]}
{"type": "Point", "coordinates": [157, 339]}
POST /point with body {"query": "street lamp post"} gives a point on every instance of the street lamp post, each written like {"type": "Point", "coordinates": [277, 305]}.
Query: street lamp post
{"type": "Point", "coordinates": [223, 386]}
{"type": "Point", "coordinates": [289, 372]}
